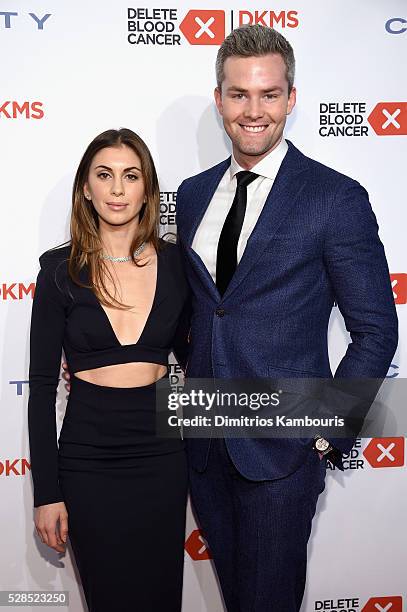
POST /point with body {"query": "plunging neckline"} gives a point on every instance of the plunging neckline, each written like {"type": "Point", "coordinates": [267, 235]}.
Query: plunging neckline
{"type": "Point", "coordinates": [153, 304]}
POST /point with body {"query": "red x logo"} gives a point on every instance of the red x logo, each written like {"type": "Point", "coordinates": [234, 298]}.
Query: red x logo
{"type": "Point", "coordinates": [197, 547]}
{"type": "Point", "coordinates": [389, 118]}
{"type": "Point", "coordinates": [204, 27]}
{"type": "Point", "coordinates": [385, 452]}
{"type": "Point", "coordinates": [399, 286]}
{"type": "Point", "coordinates": [383, 604]}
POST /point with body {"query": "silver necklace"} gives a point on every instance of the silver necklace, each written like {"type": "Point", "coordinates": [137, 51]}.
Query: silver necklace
{"type": "Point", "coordinates": [128, 258]}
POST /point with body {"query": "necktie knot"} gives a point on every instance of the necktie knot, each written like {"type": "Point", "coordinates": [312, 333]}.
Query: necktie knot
{"type": "Point", "coordinates": [244, 178]}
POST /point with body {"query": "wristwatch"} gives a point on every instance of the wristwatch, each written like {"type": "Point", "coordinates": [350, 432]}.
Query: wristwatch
{"type": "Point", "coordinates": [321, 445]}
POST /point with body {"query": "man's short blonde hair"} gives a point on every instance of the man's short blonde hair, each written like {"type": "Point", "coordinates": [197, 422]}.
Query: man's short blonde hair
{"type": "Point", "coordinates": [255, 40]}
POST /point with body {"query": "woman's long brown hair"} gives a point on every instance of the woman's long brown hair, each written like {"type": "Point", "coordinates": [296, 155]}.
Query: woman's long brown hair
{"type": "Point", "coordinates": [86, 245]}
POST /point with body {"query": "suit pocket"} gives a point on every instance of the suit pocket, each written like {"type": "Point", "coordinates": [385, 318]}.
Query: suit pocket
{"type": "Point", "coordinates": [276, 370]}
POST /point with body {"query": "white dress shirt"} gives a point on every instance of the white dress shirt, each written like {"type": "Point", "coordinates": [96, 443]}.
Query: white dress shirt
{"type": "Point", "coordinates": [206, 238]}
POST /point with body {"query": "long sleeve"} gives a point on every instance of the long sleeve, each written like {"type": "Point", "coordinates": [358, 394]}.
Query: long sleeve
{"type": "Point", "coordinates": [180, 341]}
{"type": "Point", "coordinates": [358, 270]}
{"type": "Point", "coordinates": [46, 338]}
{"type": "Point", "coordinates": [181, 338]}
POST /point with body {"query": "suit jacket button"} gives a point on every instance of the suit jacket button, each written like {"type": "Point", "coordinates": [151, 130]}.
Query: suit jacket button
{"type": "Point", "coordinates": [219, 312]}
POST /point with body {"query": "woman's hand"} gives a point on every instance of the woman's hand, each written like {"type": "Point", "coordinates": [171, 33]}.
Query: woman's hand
{"type": "Point", "coordinates": [51, 522]}
{"type": "Point", "coordinates": [66, 376]}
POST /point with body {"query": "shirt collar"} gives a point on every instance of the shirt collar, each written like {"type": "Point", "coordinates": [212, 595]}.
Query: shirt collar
{"type": "Point", "coordinates": [268, 166]}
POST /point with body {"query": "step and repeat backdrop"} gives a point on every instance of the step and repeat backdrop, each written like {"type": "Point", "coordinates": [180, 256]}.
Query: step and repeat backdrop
{"type": "Point", "coordinates": [70, 70]}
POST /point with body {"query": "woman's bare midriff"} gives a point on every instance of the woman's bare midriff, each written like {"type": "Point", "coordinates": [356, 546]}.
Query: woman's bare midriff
{"type": "Point", "coordinates": [137, 374]}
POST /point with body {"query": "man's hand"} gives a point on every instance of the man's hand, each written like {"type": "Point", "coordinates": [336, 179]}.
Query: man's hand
{"type": "Point", "coordinates": [51, 522]}
{"type": "Point", "coordinates": [66, 376]}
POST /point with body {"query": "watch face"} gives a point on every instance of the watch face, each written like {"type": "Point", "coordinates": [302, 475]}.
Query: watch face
{"type": "Point", "coordinates": [321, 444]}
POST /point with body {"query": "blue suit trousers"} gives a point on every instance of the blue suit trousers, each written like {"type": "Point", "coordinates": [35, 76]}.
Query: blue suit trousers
{"type": "Point", "coordinates": [257, 532]}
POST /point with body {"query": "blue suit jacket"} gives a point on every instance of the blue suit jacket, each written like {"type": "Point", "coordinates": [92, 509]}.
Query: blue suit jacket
{"type": "Point", "coordinates": [315, 242]}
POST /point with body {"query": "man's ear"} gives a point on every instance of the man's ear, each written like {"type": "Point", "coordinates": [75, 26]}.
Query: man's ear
{"type": "Point", "coordinates": [292, 98]}
{"type": "Point", "coordinates": [218, 100]}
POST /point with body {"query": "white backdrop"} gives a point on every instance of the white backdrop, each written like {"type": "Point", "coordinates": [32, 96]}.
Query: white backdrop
{"type": "Point", "coordinates": [73, 74]}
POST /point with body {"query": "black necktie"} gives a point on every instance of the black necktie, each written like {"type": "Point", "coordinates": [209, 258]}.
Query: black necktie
{"type": "Point", "coordinates": [226, 260]}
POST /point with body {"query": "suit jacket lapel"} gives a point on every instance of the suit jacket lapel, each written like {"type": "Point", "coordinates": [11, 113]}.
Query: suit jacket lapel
{"type": "Point", "coordinates": [204, 191]}
{"type": "Point", "coordinates": [283, 197]}
{"type": "Point", "coordinates": [203, 194]}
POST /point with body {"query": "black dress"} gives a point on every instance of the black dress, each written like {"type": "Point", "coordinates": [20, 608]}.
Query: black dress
{"type": "Point", "coordinates": [124, 487]}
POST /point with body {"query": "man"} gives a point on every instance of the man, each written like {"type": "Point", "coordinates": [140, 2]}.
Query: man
{"type": "Point", "coordinates": [271, 239]}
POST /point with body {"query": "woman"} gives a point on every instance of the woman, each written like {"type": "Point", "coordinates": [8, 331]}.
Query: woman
{"type": "Point", "coordinates": [116, 300]}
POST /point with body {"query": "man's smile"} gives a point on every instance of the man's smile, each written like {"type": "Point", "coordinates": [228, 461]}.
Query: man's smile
{"type": "Point", "coordinates": [253, 129]}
